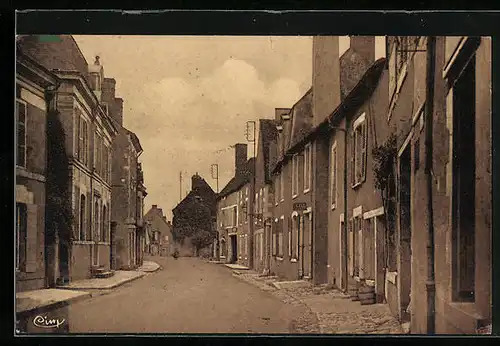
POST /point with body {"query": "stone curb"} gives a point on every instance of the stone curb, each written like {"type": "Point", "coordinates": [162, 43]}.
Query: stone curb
{"type": "Point", "coordinates": [109, 287]}
{"type": "Point", "coordinates": [52, 305]}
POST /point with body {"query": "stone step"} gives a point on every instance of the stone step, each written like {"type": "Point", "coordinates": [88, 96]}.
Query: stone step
{"type": "Point", "coordinates": [104, 275]}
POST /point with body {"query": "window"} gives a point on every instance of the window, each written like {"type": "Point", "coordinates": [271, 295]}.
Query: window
{"type": "Point", "coordinates": [97, 228]}
{"type": "Point", "coordinates": [81, 233]}
{"type": "Point", "coordinates": [463, 102]}
{"type": "Point", "coordinates": [276, 191]}
{"type": "Point", "coordinates": [333, 176]}
{"type": "Point", "coordinates": [261, 246]}
{"type": "Point", "coordinates": [282, 186]}
{"type": "Point", "coordinates": [280, 238]}
{"type": "Point", "coordinates": [21, 235]}
{"type": "Point", "coordinates": [82, 142]}
{"type": "Point", "coordinates": [293, 242]}
{"type": "Point", "coordinates": [105, 227]}
{"type": "Point", "coordinates": [295, 175]}
{"type": "Point", "coordinates": [356, 229]}
{"type": "Point", "coordinates": [21, 112]}
{"type": "Point", "coordinates": [401, 51]}
{"type": "Point", "coordinates": [275, 238]}
{"type": "Point", "coordinates": [358, 148]}
{"type": "Point", "coordinates": [291, 230]}
{"type": "Point", "coordinates": [307, 168]}
{"type": "Point", "coordinates": [166, 238]}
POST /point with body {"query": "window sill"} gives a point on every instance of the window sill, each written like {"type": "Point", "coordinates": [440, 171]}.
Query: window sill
{"type": "Point", "coordinates": [307, 190]}
{"type": "Point", "coordinates": [293, 260]}
{"type": "Point", "coordinates": [333, 206]}
{"type": "Point", "coordinates": [295, 196]}
{"type": "Point", "coordinates": [282, 201]}
{"type": "Point", "coordinates": [356, 185]}
{"type": "Point", "coordinates": [370, 283]}
{"type": "Point", "coordinates": [83, 242]}
{"type": "Point", "coordinates": [279, 258]}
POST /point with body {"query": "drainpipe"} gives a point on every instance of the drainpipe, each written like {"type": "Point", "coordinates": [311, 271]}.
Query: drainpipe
{"type": "Point", "coordinates": [430, 283]}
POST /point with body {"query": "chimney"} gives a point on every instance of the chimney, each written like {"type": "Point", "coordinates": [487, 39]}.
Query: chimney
{"type": "Point", "coordinates": [325, 77]}
{"type": "Point", "coordinates": [164, 218]}
{"type": "Point", "coordinates": [196, 182]}
{"type": "Point", "coordinates": [154, 206]}
{"type": "Point", "coordinates": [240, 158]}
{"type": "Point", "coordinates": [364, 46]}
{"type": "Point", "coordinates": [279, 113]}
{"type": "Point", "coordinates": [118, 113]}
{"type": "Point", "coordinates": [108, 90]}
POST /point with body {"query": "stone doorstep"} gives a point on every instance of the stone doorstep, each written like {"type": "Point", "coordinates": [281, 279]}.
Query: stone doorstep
{"type": "Point", "coordinates": [32, 301]}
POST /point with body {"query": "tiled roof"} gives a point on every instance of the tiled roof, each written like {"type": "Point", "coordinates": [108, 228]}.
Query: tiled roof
{"type": "Point", "coordinates": [63, 54]}
{"type": "Point", "coordinates": [239, 180]}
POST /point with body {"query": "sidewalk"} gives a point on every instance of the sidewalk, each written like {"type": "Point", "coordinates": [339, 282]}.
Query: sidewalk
{"type": "Point", "coordinates": [119, 278]}
{"type": "Point", "coordinates": [236, 266]}
{"type": "Point", "coordinates": [149, 267]}
{"type": "Point", "coordinates": [334, 311]}
{"type": "Point", "coordinates": [29, 301]}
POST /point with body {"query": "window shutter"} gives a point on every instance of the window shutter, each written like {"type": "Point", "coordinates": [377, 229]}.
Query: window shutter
{"type": "Point", "coordinates": [364, 145]}
{"type": "Point", "coordinates": [353, 156]}
{"type": "Point", "coordinates": [31, 237]}
{"type": "Point", "coordinates": [392, 72]}
{"type": "Point", "coordinates": [351, 247]}
{"type": "Point", "coordinates": [76, 212]}
{"type": "Point", "coordinates": [88, 222]}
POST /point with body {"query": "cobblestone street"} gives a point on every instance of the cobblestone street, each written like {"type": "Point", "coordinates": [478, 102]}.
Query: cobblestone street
{"type": "Point", "coordinates": [331, 311]}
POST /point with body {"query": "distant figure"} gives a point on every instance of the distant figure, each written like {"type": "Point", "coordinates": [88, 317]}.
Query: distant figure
{"type": "Point", "coordinates": [175, 254]}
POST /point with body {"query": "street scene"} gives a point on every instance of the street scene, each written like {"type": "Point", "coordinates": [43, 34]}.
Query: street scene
{"type": "Point", "coordinates": [253, 185]}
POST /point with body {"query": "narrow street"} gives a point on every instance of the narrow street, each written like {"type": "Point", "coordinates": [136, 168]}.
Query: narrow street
{"type": "Point", "coordinates": [187, 295]}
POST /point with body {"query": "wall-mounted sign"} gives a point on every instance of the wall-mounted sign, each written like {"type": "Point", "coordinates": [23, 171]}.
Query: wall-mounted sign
{"type": "Point", "coordinates": [299, 206]}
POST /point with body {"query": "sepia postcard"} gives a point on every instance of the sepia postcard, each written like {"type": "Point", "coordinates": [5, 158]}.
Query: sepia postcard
{"type": "Point", "coordinates": [253, 184]}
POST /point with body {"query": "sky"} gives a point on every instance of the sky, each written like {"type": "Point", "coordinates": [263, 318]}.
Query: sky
{"type": "Point", "coordinates": [188, 98]}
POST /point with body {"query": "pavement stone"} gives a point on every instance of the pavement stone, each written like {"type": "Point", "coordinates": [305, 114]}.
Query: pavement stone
{"type": "Point", "coordinates": [36, 299]}
{"type": "Point", "coordinates": [149, 266]}
{"type": "Point", "coordinates": [330, 311]}
{"type": "Point", "coordinates": [119, 278]}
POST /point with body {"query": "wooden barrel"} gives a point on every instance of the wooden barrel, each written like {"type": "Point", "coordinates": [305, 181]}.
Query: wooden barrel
{"type": "Point", "coordinates": [367, 301]}
{"type": "Point", "coordinates": [366, 298]}
{"type": "Point", "coordinates": [366, 289]}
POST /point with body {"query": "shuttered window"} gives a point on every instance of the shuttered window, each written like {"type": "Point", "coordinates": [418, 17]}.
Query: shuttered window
{"type": "Point", "coordinates": [82, 218]}
{"type": "Point", "coordinates": [359, 150]}
{"type": "Point", "coordinates": [21, 112]}
{"type": "Point", "coordinates": [333, 175]}
{"type": "Point", "coordinates": [21, 235]}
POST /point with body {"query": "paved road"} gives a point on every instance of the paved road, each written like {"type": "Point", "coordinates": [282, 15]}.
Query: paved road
{"type": "Point", "coordinates": [187, 295]}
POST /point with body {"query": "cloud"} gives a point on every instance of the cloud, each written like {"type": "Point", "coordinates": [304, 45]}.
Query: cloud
{"type": "Point", "coordinates": [188, 98]}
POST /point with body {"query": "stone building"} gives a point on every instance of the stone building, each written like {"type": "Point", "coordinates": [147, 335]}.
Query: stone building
{"type": "Point", "coordinates": [194, 218]}
{"type": "Point", "coordinates": [456, 213]}
{"type": "Point", "coordinates": [88, 133]}
{"type": "Point", "coordinates": [234, 211]}
{"type": "Point", "coordinates": [128, 239]}
{"type": "Point", "coordinates": [263, 206]}
{"type": "Point", "coordinates": [35, 86]}
{"type": "Point", "coordinates": [159, 233]}
{"type": "Point", "coordinates": [292, 245]}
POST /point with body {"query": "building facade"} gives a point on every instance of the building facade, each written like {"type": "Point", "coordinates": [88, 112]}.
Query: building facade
{"type": "Point", "coordinates": [194, 220]}
{"type": "Point", "coordinates": [159, 233]}
{"type": "Point", "coordinates": [35, 87]}
{"type": "Point", "coordinates": [264, 198]}
{"type": "Point", "coordinates": [235, 210]}
{"type": "Point", "coordinates": [292, 237]}
{"type": "Point", "coordinates": [88, 133]}
{"type": "Point", "coordinates": [459, 69]}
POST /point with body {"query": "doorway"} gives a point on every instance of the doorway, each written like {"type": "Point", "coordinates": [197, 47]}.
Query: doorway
{"type": "Point", "coordinates": [306, 246]}
{"type": "Point", "coordinates": [404, 270]}
{"type": "Point", "coordinates": [234, 248]}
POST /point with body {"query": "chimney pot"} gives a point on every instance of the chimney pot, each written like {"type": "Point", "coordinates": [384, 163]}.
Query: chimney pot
{"type": "Point", "coordinates": [240, 158]}
{"type": "Point", "coordinates": [96, 62]}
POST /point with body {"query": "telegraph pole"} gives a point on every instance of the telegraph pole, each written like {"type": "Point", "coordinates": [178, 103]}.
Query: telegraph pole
{"type": "Point", "coordinates": [180, 186]}
{"type": "Point", "coordinates": [250, 134]}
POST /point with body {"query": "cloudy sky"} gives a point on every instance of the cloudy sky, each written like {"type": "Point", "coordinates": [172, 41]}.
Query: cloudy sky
{"type": "Point", "coordinates": [188, 98]}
